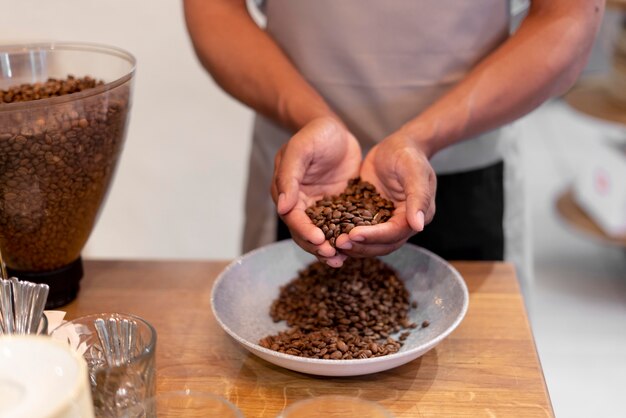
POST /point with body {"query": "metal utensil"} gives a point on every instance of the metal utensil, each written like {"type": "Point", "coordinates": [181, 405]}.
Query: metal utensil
{"type": "Point", "coordinates": [3, 268]}
{"type": "Point", "coordinates": [6, 307]}
{"type": "Point", "coordinates": [118, 338]}
{"type": "Point", "coordinates": [37, 305]}
{"type": "Point", "coordinates": [21, 306]}
{"type": "Point", "coordinates": [4, 329]}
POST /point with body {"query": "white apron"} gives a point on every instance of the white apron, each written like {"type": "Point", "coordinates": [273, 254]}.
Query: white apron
{"type": "Point", "coordinates": [378, 64]}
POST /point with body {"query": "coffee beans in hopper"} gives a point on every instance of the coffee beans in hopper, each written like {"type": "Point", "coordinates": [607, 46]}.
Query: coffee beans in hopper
{"type": "Point", "coordinates": [57, 157]}
{"type": "Point", "coordinates": [345, 313]}
{"type": "Point", "coordinates": [50, 88]}
{"type": "Point", "coordinates": [360, 204]}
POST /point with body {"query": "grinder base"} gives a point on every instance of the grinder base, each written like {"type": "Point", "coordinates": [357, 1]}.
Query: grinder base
{"type": "Point", "coordinates": [63, 282]}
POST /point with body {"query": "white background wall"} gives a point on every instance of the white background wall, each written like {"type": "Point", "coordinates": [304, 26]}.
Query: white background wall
{"type": "Point", "coordinates": [179, 188]}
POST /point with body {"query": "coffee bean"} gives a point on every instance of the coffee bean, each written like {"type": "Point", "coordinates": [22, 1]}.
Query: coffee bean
{"type": "Point", "coordinates": [358, 205]}
{"type": "Point", "coordinates": [331, 316]}
{"type": "Point", "coordinates": [51, 88]}
{"type": "Point", "coordinates": [56, 163]}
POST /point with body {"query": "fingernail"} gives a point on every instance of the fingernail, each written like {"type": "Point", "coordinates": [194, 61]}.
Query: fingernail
{"type": "Point", "coordinates": [334, 263]}
{"type": "Point", "coordinates": [358, 238]}
{"type": "Point", "coordinates": [281, 198]}
{"type": "Point", "coordinates": [346, 245]}
{"type": "Point", "coordinates": [420, 220]}
{"type": "Point", "coordinates": [321, 254]}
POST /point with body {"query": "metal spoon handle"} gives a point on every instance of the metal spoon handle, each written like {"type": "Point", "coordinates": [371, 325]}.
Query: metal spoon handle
{"type": "Point", "coordinates": [114, 330]}
{"type": "Point", "coordinates": [3, 268]}
{"type": "Point", "coordinates": [105, 342]}
{"type": "Point", "coordinates": [6, 305]}
{"type": "Point", "coordinates": [38, 305]}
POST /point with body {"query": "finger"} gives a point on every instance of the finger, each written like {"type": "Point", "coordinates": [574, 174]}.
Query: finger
{"type": "Point", "coordinates": [420, 199]}
{"type": "Point", "coordinates": [273, 186]}
{"type": "Point", "coordinates": [323, 251]}
{"type": "Point", "coordinates": [390, 232]}
{"type": "Point", "coordinates": [301, 227]}
{"type": "Point", "coordinates": [430, 213]}
{"type": "Point", "coordinates": [335, 262]}
{"type": "Point", "coordinates": [294, 161]}
{"type": "Point", "coordinates": [286, 180]}
{"type": "Point", "coordinates": [372, 250]}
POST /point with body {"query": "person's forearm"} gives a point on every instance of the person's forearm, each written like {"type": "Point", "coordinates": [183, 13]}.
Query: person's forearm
{"type": "Point", "coordinates": [541, 60]}
{"type": "Point", "coordinates": [247, 63]}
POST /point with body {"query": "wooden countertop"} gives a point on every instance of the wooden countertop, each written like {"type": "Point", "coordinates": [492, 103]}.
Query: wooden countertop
{"type": "Point", "coordinates": [488, 367]}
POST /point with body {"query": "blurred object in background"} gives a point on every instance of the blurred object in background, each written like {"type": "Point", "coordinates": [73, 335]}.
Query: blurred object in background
{"type": "Point", "coordinates": [600, 190]}
{"type": "Point", "coordinates": [596, 202]}
{"type": "Point", "coordinates": [601, 91]}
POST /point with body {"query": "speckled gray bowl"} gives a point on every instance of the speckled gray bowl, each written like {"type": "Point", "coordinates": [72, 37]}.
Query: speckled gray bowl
{"type": "Point", "coordinates": [244, 291]}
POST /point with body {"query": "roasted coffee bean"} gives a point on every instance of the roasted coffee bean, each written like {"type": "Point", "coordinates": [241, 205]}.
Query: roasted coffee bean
{"type": "Point", "coordinates": [50, 88]}
{"type": "Point", "coordinates": [331, 311]}
{"type": "Point", "coordinates": [358, 205]}
{"type": "Point", "coordinates": [56, 163]}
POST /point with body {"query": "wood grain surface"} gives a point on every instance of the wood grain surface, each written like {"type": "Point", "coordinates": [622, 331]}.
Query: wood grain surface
{"type": "Point", "coordinates": [488, 367]}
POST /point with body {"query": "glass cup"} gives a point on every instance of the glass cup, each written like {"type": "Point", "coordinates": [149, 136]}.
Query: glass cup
{"type": "Point", "coordinates": [335, 406]}
{"type": "Point", "coordinates": [118, 388]}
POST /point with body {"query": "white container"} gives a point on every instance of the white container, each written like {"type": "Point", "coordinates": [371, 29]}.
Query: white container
{"type": "Point", "coordinates": [600, 189]}
{"type": "Point", "coordinates": [42, 378]}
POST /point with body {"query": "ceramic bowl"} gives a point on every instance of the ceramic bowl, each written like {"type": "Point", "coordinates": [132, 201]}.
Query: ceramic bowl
{"type": "Point", "coordinates": [244, 291]}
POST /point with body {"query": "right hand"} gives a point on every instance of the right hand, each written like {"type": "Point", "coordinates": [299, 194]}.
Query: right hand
{"type": "Point", "coordinates": [317, 161]}
{"type": "Point", "coordinates": [400, 170]}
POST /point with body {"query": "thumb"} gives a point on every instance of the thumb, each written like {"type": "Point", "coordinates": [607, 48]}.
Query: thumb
{"type": "Point", "coordinates": [420, 200]}
{"type": "Point", "coordinates": [289, 169]}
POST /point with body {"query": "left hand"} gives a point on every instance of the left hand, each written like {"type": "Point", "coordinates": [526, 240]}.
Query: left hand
{"type": "Point", "coordinates": [317, 161]}
{"type": "Point", "coordinates": [399, 169]}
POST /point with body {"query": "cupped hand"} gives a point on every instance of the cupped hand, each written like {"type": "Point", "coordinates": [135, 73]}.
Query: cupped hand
{"type": "Point", "coordinates": [399, 169]}
{"type": "Point", "coordinates": [317, 161]}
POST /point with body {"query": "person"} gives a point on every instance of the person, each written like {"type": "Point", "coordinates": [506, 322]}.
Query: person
{"type": "Point", "coordinates": [410, 95]}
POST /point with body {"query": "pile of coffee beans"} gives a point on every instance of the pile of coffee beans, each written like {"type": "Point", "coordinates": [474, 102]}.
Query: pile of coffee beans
{"type": "Point", "coordinates": [56, 162]}
{"type": "Point", "coordinates": [360, 204]}
{"type": "Point", "coordinates": [345, 313]}
{"type": "Point", "coordinates": [50, 88]}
